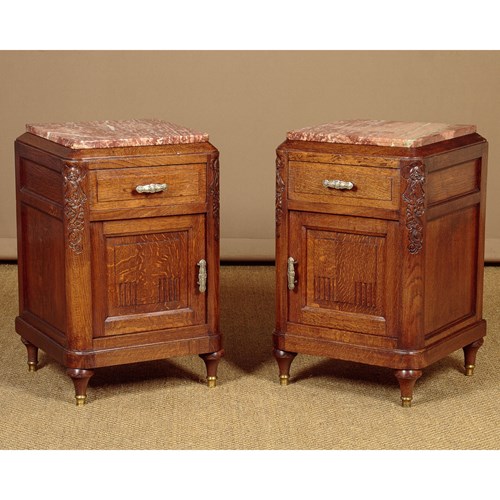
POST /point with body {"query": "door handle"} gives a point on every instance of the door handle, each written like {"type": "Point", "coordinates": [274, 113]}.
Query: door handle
{"type": "Point", "coordinates": [291, 273]}
{"type": "Point", "coordinates": [151, 188]}
{"type": "Point", "coordinates": [338, 184]}
{"type": "Point", "coordinates": [202, 276]}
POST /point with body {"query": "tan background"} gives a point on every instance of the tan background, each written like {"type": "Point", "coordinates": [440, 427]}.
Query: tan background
{"type": "Point", "coordinates": [246, 101]}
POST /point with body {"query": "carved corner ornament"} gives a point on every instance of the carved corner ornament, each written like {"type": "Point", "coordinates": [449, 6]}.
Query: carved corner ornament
{"type": "Point", "coordinates": [280, 189]}
{"type": "Point", "coordinates": [74, 204]}
{"type": "Point", "coordinates": [414, 196]}
{"type": "Point", "coordinates": [214, 193]}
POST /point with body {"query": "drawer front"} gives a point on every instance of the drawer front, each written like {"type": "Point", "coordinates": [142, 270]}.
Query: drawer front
{"type": "Point", "coordinates": [369, 186]}
{"type": "Point", "coordinates": [148, 186]}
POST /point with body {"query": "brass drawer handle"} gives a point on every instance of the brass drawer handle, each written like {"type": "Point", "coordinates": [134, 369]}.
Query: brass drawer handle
{"type": "Point", "coordinates": [151, 188]}
{"type": "Point", "coordinates": [291, 273]}
{"type": "Point", "coordinates": [336, 184]}
{"type": "Point", "coordinates": [202, 275]}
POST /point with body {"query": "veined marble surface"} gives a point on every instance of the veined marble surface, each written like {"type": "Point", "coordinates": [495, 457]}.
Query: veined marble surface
{"type": "Point", "coordinates": [381, 133]}
{"type": "Point", "coordinates": [116, 133]}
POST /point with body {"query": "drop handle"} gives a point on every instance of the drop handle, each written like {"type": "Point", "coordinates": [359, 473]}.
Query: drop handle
{"type": "Point", "coordinates": [291, 273]}
{"type": "Point", "coordinates": [202, 276]}
{"type": "Point", "coordinates": [338, 184]}
{"type": "Point", "coordinates": [151, 188]}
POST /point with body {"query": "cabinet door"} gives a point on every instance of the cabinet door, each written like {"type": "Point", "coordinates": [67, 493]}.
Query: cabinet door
{"type": "Point", "coordinates": [346, 274]}
{"type": "Point", "coordinates": [146, 274]}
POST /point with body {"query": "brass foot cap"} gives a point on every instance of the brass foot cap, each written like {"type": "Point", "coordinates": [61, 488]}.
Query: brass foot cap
{"type": "Point", "coordinates": [406, 402]}
{"type": "Point", "coordinates": [212, 382]}
{"type": "Point", "coordinates": [469, 370]}
{"type": "Point", "coordinates": [284, 379]}
{"type": "Point", "coordinates": [31, 366]}
{"type": "Point", "coordinates": [80, 400]}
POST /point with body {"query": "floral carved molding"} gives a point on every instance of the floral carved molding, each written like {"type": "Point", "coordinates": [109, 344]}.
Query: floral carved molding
{"type": "Point", "coordinates": [280, 189]}
{"type": "Point", "coordinates": [414, 197]}
{"type": "Point", "coordinates": [214, 194]}
{"type": "Point", "coordinates": [74, 205]}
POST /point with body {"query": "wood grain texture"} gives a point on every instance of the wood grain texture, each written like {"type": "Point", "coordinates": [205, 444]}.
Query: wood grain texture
{"type": "Point", "coordinates": [373, 187]}
{"type": "Point", "coordinates": [76, 261]}
{"type": "Point", "coordinates": [341, 157]}
{"type": "Point", "coordinates": [40, 181]}
{"type": "Point", "coordinates": [107, 277]}
{"type": "Point", "coordinates": [452, 182]}
{"type": "Point", "coordinates": [212, 250]}
{"type": "Point", "coordinates": [347, 255]}
{"type": "Point", "coordinates": [148, 265]}
{"type": "Point", "coordinates": [450, 265]}
{"type": "Point", "coordinates": [282, 250]}
{"type": "Point", "coordinates": [396, 285]}
{"type": "Point", "coordinates": [185, 184]}
{"type": "Point", "coordinates": [44, 278]}
{"type": "Point", "coordinates": [121, 156]}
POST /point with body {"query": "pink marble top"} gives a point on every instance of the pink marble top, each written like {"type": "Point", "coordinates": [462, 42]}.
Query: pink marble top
{"type": "Point", "coordinates": [381, 133]}
{"type": "Point", "coordinates": [116, 133]}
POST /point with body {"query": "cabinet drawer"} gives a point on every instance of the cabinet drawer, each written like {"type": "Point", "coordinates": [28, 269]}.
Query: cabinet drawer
{"type": "Point", "coordinates": [371, 186]}
{"type": "Point", "coordinates": [174, 184]}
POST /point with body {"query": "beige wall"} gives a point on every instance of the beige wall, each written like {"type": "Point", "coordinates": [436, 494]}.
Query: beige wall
{"type": "Point", "coordinates": [247, 101]}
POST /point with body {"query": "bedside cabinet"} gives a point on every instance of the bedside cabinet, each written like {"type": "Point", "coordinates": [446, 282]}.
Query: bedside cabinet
{"type": "Point", "coordinates": [380, 244]}
{"type": "Point", "coordinates": [118, 245]}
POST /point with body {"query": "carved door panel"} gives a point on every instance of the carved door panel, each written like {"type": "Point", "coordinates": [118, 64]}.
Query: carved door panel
{"type": "Point", "coordinates": [345, 272]}
{"type": "Point", "coordinates": [149, 272]}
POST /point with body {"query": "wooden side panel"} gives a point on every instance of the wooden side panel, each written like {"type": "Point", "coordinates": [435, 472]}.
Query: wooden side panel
{"type": "Point", "coordinates": [456, 190]}
{"type": "Point", "coordinates": [448, 183]}
{"type": "Point", "coordinates": [40, 180]}
{"type": "Point", "coordinates": [481, 235]}
{"type": "Point", "coordinates": [451, 268]}
{"type": "Point", "coordinates": [43, 267]}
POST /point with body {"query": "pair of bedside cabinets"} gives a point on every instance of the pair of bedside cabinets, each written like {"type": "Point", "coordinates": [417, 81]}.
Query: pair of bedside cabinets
{"type": "Point", "coordinates": [379, 245]}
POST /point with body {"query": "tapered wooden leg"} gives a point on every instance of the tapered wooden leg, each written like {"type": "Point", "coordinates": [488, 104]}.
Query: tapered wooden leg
{"type": "Point", "coordinates": [212, 362]}
{"type": "Point", "coordinates": [407, 379]}
{"type": "Point", "coordinates": [284, 359]}
{"type": "Point", "coordinates": [80, 379]}
{"type": "Point", "coordinates": [470, 352]}
{"type": "Point", "coordinates": [32, 355]}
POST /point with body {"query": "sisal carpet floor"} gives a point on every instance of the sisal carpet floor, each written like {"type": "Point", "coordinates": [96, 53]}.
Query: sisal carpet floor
{"type": "Point", "coordinates": [330, 405]}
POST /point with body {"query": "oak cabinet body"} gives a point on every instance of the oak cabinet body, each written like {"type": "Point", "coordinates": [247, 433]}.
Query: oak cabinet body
{"type": "Point", "coordinates": [387, 268]}
{"type": "Point", "coordinates": [118, 254]}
